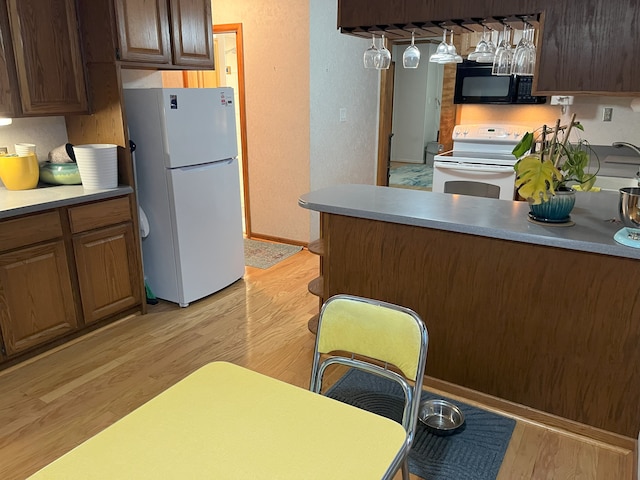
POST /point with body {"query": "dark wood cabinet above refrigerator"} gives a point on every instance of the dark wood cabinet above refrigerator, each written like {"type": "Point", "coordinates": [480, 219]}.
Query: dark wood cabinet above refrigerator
{"type": "Point", "coordinates": [149, 34]}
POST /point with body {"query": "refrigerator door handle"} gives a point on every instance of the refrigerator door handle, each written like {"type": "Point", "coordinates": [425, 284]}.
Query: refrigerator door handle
{"type": "Point", "coordinates": [202, 166]}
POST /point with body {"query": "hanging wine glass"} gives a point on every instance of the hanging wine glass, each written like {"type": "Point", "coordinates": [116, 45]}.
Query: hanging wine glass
{"type": "Point", "coordinates": [382, 61]}
{"type": "Point", "coordinates": [452, 55]}
{"type": "Point", "coordinates": [370, 54]}
{"type": "Point", "coordinates": [442, 50]}
{"type": "Point", "coordinates": [524, 57]}
{"type": "Point", "coordinates": [481, 47]}
{"type": "Point", "coordinates": [504, 56]}
{"type": "Point", "coordinates": [489, 55]}
{"type": "Point", "coordinates": [411, 56]}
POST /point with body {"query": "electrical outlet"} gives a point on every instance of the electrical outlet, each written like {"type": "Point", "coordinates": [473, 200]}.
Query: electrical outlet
{"type": "Point", "coordinates": [607, 113]}
{"type": "Point", "coordinates": [343, 114]}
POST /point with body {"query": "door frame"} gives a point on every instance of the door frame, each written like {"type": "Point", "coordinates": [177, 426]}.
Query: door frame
{"type": "Point", "coordinates": [448, 112]}
{"type": "Point", "coordinates": [385, 125]}
{"type": "Point", "coordinates": [237, 29]}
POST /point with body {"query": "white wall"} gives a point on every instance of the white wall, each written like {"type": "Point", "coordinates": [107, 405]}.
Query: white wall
{"type": "Point", "coordinates": [46, 132]}
{"type": "Point", "coordinates": [434, 96]}
{"type": "Point", "coordinates": [625, 124]}
{"type": "Point", "coordinates": [414, 105]}
{"type": "Point", "coordinates": [276, 60]}
{"type": "Point", "coordinates": [409, 108]}
{"type": "Point", "coordinates": [141, 78]}
{"type": "Point", "coordinates": [299, 71]}
{"type": "Point", "coordinates": [340, 152]}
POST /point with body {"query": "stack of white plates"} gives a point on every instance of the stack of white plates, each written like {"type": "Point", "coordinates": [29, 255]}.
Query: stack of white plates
{"type": "Point", "coordinates": [98, 165]}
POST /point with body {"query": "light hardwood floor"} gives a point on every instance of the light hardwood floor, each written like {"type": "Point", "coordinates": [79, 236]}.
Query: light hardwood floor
{"type": "Point", "coordinates": [50, 404]}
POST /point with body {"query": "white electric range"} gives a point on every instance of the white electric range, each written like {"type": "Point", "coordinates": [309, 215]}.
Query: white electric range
{"type": "Point", "coordinates": [481, 162]}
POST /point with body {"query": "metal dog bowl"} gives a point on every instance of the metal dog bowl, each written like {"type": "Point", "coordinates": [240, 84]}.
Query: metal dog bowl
{"type": "Point", "coordinates": [440, 417]}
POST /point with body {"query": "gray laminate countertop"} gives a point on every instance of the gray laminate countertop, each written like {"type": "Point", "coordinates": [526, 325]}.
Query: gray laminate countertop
{"type": "Point", "coordinates": [595, 215]}
{"type": "Point", "coordinates": [20, 202]}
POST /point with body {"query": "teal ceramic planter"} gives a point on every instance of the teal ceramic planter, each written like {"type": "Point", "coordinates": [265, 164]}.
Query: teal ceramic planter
{"type": "Point", "coordinates": [557, 208]}
{"type": "Point", "coordinates": [60, 173]}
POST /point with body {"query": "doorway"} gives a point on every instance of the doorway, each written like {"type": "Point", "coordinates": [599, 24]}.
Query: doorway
{"type": "Point", "coordinates": [416, 119]}
{"type": "Point", "coordinates": [424, 121]}
{"type": "Point", "coordinates": [229, 61]}
{"type": "Point", "coordinates": [229, 72]}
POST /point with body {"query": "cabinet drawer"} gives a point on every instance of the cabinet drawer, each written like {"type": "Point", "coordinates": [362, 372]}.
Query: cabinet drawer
{"type": "Point", "coordinates": [29, 230]}
{"type": "Point", "coordinates": [96, 215]}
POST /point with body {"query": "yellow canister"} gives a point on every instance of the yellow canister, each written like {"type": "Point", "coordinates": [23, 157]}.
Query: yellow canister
{"type": "Point", "coordinates": [19, 172]}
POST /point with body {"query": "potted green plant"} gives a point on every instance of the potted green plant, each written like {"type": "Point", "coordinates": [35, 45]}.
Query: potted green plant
{"type": "Point", "coordinates": [545, 177]}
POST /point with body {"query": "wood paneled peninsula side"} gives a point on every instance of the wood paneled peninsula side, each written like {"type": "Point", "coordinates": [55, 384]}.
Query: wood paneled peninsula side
{"type": "Point", "coordinates": [544, 316]}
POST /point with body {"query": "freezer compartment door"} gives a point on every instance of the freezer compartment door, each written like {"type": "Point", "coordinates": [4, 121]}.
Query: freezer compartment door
{"type": "Point", "coordinates": [208, 235]}
{"type": "Point", "coordinates": [199, 125]}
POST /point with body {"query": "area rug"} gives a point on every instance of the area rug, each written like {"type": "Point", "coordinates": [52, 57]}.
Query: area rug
{"type": "Point", "coordinates": [475, 452]}
{"type": "Point", "coordinates": [417, 176]}
{"type": "Point", "coordinates": [266, 254]}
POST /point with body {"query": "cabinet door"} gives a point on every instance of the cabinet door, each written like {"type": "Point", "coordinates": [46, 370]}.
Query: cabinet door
{"type": "Point", "coordinates": [9, 99]}
{"type": "Point", "coordinates": [47, 54]}
{"type": "Point", "coordinates": [36, 299]}
{"type": "Point", "coordinates": [192, 33]}
{"type": "Point", "coordinates": [591, 49]}
{"type": "Point", "coordinates": [107, 271]}
{"type": "Point", "coordinates": [143, 31]}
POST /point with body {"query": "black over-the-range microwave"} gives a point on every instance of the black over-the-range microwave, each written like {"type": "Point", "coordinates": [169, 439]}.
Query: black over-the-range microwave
{"type": "Point", "coordinates": [476, 84]}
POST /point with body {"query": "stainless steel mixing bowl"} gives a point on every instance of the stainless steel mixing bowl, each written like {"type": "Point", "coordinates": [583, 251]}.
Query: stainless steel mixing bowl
{"type": "Point", "coordinates": [440, 417]}
{"type": "Point", "coordinates": [629, 206]}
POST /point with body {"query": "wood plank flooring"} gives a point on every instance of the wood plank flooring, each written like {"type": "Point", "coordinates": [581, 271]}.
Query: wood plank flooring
{"type": "Point", "coordinates": [53, 402]}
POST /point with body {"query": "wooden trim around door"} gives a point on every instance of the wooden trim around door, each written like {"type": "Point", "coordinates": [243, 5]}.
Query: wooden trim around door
{"type": "Point", "coordinates": [237, 29]}
{"type": "Point", "coordinates": [385, 126]}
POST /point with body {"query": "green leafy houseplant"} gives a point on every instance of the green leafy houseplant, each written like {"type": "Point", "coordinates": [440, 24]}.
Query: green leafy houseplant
{"type": "Point", "coordinates": [557, 166]}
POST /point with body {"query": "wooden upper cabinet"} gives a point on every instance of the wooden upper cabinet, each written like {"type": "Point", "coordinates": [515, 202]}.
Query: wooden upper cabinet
{"type": "Point", "coordinates": [192, 33]}
{"type": "Point", "coordinates": [143, 31]}
{"type": "Point", "coordinates": [165, 32]}
{"type": "Point", "coordinates": [48, 60]}
{"type": "Point", "coordinates": [590, 49]}
{"type": "Point", "coordinates": [9, 98]}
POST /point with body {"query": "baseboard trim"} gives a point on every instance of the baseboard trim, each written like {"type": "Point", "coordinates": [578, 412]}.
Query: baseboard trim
{"type": "Point", "coordinates": [527, 414]}
{"type": "Point", "coordinates": [269, 238]}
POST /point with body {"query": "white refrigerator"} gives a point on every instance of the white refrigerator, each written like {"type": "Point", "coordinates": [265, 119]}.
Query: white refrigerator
{"type": "Point", "coordinates": [188, 186]}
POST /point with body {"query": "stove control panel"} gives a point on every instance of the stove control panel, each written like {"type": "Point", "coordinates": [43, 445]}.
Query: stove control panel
{"type": "Point", "coordinates": [492, 133]}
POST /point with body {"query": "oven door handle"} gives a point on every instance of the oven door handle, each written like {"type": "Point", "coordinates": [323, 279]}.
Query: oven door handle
{"type": "Point", "coordinates": [476, 169]}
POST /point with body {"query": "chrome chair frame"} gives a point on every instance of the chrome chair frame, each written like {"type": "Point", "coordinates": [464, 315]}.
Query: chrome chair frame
{"type": "Point", "coordinates": [411, 392]}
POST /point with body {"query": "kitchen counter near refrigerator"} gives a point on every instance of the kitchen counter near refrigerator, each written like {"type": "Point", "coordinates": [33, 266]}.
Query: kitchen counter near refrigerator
{"type": "Point", "coordinates": [544, 317]}
{"type": "Point", "coordinates": [595, 215]}
{"type": "Point", "coordinates": [21, 202]}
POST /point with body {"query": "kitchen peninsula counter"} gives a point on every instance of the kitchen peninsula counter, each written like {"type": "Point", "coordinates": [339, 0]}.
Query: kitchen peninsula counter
{"type": "Point", "coordinates": [21, 202]}
{"type": "Point", "coordinates": [595, 215]}
{"type": "Point", "coordinates": [543, 316]}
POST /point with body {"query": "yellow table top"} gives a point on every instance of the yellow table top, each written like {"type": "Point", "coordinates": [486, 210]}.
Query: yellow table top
{"type": "Point", "coordinates": [226, 422]}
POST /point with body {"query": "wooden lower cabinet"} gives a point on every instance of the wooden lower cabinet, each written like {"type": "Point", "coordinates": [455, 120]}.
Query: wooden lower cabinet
{"type": "Point", "coordinates": [36, 296]}
{"type": "Point", "coordinates": [63, 270]}
{"type": "Point", "coordinates": [105, 262]}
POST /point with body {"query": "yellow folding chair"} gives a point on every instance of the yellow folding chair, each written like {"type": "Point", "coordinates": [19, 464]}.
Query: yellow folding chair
{"type": "Point", "coordinates": [351, 326]}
